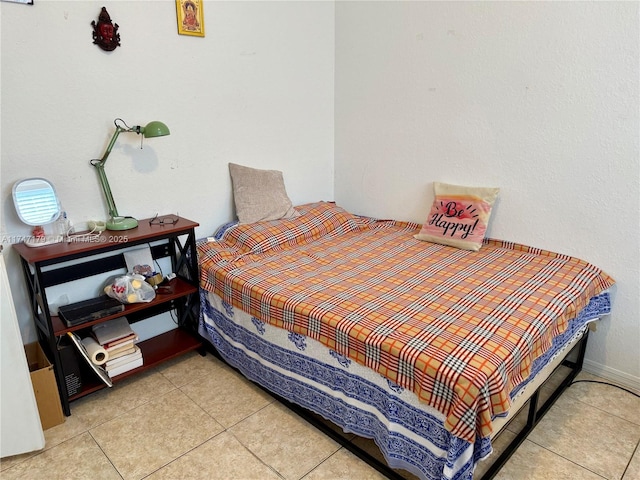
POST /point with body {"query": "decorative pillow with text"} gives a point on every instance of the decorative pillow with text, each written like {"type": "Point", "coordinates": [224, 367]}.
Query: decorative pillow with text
{"type": "Point", "coordinates": [459, 216]}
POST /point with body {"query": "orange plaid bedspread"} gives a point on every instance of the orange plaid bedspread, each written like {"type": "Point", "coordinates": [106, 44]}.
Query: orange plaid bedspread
{"type": "Point", "coordinates": [459, 328]}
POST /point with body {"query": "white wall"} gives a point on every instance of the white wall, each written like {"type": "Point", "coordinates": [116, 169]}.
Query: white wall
{"type": "Point", "coordinates": [537, 98]}
{"type": "Point", "coordinates": [257, 90]}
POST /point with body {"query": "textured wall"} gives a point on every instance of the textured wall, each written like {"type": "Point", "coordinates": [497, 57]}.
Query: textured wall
{"type": "Point", "coordinates": [256, 90]}
{"type": "Point", "coordinates": [537, 98]}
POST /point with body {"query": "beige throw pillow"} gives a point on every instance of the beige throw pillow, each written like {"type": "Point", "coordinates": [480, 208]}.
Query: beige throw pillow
{"type": "Point", "coordinates": [259, 195]}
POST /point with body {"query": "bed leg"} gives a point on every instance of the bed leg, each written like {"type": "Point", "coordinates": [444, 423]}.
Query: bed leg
{"type": "Point", "coordinates": [532, 419]}
{"type": "Point", "coordinates": [535, 413]}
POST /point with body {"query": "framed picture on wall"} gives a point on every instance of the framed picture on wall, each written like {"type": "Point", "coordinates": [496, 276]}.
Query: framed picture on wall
{"type": "Point", "coordinates": [26, 2]}
{"type": "Point", "coordinates": [190, 17]}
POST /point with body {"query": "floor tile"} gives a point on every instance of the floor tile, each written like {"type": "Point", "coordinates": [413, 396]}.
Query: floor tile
{"type": "Point", "coordinates": [13, 460]}
{"type": "Point", "coordinates": [343, 465]}
{"type": "Point", "coordinates": [587, 436]}
{"type": "Point", "coordinates": [517, 423]}
{"type": "Point", "coordinates": [532, 462]}
{"type": "Point", "coordinates": [72, 426]}
{"type": "Point", "coordinates": [64, 461]}
{"type": "Point", "coordinates": [554, 381]}
{"type": "Point", "coordinates": [189, 367]}
{"type": "Point", "coordinates": [633, 469]}
{"type": "Point", "coordinates": [284, 441]}
{"type": "Point", "coordinates": [499, 444]}
{"type": "Point", "coordinates": [152, 435]}
{"type": "Point", "coordinates": [222, 457]}
{"type": "Point", "coordinates": [227, 396]}
{"type": "Point", "coordinates": [109, 403]}
{"type": "Point", "coordinates": [606, 397]}
{"type": "Point", "coordinates": [547, 389]}
{"type": "Point", "coordinates": [146, 427]}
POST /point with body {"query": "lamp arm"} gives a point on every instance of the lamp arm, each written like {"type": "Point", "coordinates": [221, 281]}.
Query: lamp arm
{"type": "Point", "coordinates": [102, 176]}
{"type": "Point", "coordinates": [104, 183]}
{"type": "Point", "coordinates": [111, 144]}
{"type": "Point", "coordinates": [152, 129]}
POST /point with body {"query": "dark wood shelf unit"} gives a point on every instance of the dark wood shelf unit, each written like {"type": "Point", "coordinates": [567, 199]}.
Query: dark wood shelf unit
{"type": "Point", "coordinates": [84, 257]}
{"type": "Point", "coordinates": [181, 288]}
{"type": "Point", "coordinates": [155, 350]}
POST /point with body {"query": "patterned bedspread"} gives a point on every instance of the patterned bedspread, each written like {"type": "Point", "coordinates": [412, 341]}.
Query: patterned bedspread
{"type": "Point", "coordinates": [459, 328]}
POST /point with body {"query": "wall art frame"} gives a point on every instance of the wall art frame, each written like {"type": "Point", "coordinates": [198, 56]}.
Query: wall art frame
{"type": "Point", "coordinates": [190, 17]}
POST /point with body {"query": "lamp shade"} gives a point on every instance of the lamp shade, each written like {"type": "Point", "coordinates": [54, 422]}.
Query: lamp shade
{"type": "Point", "coordinates": [155, 129]}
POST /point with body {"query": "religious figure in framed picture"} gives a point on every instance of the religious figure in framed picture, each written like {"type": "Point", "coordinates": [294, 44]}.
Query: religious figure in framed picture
{"type": "Point", "coordinates": [190, 17]}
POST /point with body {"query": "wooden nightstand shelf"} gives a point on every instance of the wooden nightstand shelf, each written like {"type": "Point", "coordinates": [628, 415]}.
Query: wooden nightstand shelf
{"type": "Point", "coordinates": [61, 263]}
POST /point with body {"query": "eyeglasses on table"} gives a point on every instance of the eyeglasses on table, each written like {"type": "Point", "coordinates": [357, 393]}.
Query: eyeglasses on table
{"type": "Point", "coordinates": [164, 220]}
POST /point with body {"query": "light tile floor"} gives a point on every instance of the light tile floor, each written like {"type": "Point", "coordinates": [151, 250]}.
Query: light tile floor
{"type": "Point", "coordinates": [195, 418]}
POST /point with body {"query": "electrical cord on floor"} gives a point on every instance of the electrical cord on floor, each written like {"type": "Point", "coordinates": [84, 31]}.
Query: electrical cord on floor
{"type": "Point", "coordinates": [605, 383]}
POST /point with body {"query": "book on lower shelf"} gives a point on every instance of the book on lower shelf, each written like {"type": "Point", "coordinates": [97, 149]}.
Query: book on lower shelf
{"type": "Point", "coordinates": [113, 332]}
{"type": "Point", "coordinates": [115, 336]}
{"type": "Point", "coordinates": [112, 363]}
{"type": "Point", "coordinates": [121, 343]}
{"type": "Point", "coordinates": [120, 351]}
{"type": "Point", "coordinates": [118, 340]}
{"type": "Point", "coordinates": [120, 368]}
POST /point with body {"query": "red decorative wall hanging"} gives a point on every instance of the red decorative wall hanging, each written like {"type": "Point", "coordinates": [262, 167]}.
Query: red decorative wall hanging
{"type": "Point", "coordinates": [105, 33]}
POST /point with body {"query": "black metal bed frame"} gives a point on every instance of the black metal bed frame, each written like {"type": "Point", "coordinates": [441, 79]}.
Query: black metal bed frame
{"type": "Point", "coordinates": [534, 415]}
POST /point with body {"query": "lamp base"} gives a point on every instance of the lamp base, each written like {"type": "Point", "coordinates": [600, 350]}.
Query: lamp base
{"type": "Point", "coordinates": [122, 223]}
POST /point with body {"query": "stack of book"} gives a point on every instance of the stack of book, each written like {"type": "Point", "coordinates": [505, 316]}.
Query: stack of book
{"type": "Point", "coordinates": [119, 341]}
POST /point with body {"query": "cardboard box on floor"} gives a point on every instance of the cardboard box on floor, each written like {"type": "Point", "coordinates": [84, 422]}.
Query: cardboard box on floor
{"type": "Point", "coordinates": [44, 386]}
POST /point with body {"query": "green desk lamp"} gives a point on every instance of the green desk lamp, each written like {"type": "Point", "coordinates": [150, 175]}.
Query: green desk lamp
{"type": "Point", "coordinates": [152, 129]}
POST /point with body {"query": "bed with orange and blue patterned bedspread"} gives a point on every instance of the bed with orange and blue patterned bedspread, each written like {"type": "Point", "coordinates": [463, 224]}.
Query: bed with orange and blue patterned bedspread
{"type": "Point", "coordinates": [443, 339]}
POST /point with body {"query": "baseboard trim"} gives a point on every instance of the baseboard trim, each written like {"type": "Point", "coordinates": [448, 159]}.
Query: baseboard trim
{"type": "Point", "coordinates": [612, 374]}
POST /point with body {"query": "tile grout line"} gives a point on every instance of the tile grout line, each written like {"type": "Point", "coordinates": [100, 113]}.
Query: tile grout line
{"type": "Point", "coordinates": [567, 459]}
{"type": "Point", "coordinates": [104, 453]}
{"type": "Point", "coordinates": [636, 450]}
{"type": "Point", "coordinates": [270, 467]}
{"type": "Point", "coordinates": [225, 429]}
{"type": "Point", "coordinates": [573, 398]}
{"type": "Point", "coordinates": [607, 384]}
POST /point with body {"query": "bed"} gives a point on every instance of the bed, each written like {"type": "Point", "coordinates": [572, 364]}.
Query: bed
{"type": "Point", "coordinates": [425, 348]}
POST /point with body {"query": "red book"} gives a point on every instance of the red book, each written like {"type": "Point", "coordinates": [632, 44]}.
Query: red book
{"type": "Point", "coordinates": [131, 338]}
